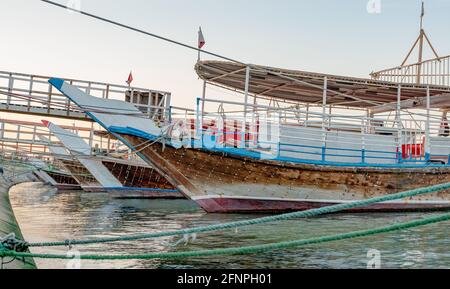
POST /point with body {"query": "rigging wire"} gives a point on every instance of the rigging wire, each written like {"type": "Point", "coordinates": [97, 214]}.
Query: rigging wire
{"type": "Point", "coordinates": [255, 67]}
{"type": "Point", "coordinates": [142, 31]}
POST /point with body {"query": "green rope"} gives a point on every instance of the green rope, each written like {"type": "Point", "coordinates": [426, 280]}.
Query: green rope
{"type": "Point", "coordinates": [244, 250]}
{"type": "Point", "coordinates": [232, 225]}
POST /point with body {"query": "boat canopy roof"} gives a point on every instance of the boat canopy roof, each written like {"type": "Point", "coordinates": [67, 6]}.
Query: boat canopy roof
{"type": "Point", "coordinates": [308, 87]}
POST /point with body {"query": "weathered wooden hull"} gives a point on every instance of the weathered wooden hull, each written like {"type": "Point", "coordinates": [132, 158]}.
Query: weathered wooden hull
{"type": "Point", "coordinates": [222, 183]}
{"type": "Point", "coordinates": [136, 176]}
{"type": "Point", "coordinates": [237, 205]}
{"type": "Point", "coordinates": [136, 181]}
{"type": "Point", "coordinates": [63, 182]}
{"type": "Point", "coordinates": [67, 187]}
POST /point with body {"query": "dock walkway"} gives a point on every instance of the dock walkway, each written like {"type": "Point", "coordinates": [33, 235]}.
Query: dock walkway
{"type": "Point", "coordinates": [8, 222]}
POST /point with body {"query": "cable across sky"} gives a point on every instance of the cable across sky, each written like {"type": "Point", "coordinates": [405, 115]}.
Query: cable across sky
{"type": "Point", "coordinates": [141, 31]}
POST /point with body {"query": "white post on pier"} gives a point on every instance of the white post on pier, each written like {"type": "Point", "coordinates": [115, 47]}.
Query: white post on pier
{"type": "Point", "coordinates": [2, 130]}
{"type": "Point", "coordinates": [30, 93]}
{"type": "Point", "coordinates": [307, 115]}
{"type": "Point", "coordinates": [399, 121]}
{"type": "Point", "coordinates": [244, 122]}
{"type": "Point", "coordinates": [10, 90]}
{"type": "Point", "coordinates": [19, 127]}
{"type": "Point", "coordinates": [427, 128]}
{"type": "Point", "coordinates": [324, 117]}
{"type": "Point", "coordinates": [34, 133]}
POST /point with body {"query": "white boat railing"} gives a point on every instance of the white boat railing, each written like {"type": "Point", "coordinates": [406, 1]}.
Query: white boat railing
{"type": "Point", "coordinates": [432, 72]}
{"type": "Point", "coordinates": [328, 138]}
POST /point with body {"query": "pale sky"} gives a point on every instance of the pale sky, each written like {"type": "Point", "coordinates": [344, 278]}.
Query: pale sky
{"type": "Point", "coordinates": [329, 36]}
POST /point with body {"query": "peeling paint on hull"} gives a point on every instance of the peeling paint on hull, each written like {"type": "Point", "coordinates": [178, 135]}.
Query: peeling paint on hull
{"type": "Point", "coordinates": [236, 205]}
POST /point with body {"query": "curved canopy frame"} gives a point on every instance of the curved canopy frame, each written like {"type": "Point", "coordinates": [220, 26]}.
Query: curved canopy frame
{"type": "Point", "coordinates": [308, 87]}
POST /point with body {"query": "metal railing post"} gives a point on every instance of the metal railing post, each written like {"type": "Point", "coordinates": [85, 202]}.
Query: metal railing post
{"type": "Point", "coordinates": [324, 118]}
{"type": "Point", "coordinates": [427, 128]}
{"type": "Point", "coordinates": [399, 123]}
{"type": "Point", "coordinates": [10, 90]}
{"type": "Point", "coordinates": [91, 137]}
{"type": "Point", "coordinates": [107, 92]}
{"type": "Point", "coordinates": [168, 104]}
{"type": "Point", "coordinates": [49, 98]}
{"type": "Point", "coordinates": [363, 140]}
{"type": "Point", "coordinates": [198, 119]}
{"type": "Point", "coordinates": [30, 93]}
{"type": "Point", "coordinates": [244, 121]}
{"type": "Point", "coordinates": [2, 130]}
{"type": "Point", "coordinates": [88, 89]}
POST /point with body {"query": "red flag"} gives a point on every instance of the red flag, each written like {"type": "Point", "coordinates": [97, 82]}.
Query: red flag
{"type": "Point", "coordinates": [130, 78]}
{"type": "Point", "coordinates": [201, 39]}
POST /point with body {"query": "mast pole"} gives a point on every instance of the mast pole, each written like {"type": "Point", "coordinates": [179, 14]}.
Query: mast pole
{"type": "Point", "coordinates": [421, 39]}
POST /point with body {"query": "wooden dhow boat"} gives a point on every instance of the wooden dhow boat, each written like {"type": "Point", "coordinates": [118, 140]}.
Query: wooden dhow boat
{"type": "Point", "coordinates": [318, 140]}
{"type": "Point", "coordinates": [122, 178]}
{"type": "Point", "coordinates": [298, 140]}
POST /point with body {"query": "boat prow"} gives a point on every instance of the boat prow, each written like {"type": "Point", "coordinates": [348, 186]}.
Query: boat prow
{"type": "Point", "coordinates": [107, 112]}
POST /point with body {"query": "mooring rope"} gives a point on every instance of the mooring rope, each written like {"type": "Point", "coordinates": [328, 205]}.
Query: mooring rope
{"type": "Point", "coordinates": [243, 250]}
{"type": "Point", "coordinates": [10, 242]}
{"type": "Point", "coordinates": [258, 221]}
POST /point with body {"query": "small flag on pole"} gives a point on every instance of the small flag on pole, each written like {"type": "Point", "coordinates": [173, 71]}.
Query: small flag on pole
{"type": "Point", "coordinates": [201, 39]}
{"type": "Point", "coordinates": [423, 9]}
{"type": "Point", "coordinates": [130, 78]}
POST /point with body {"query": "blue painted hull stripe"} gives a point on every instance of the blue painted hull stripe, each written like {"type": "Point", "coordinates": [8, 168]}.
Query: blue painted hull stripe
{"type": "Point", "coordinates": [255, 155]}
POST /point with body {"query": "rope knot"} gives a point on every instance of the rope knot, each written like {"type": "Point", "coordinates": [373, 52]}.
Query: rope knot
{"type": "Point", "coordinates": [11, 243]}
{"type": "Point", "coordinates": [68, 244]}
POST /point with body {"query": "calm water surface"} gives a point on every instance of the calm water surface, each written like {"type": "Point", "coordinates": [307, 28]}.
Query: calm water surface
{"type": "Point", "coordinates": [45, 215]}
